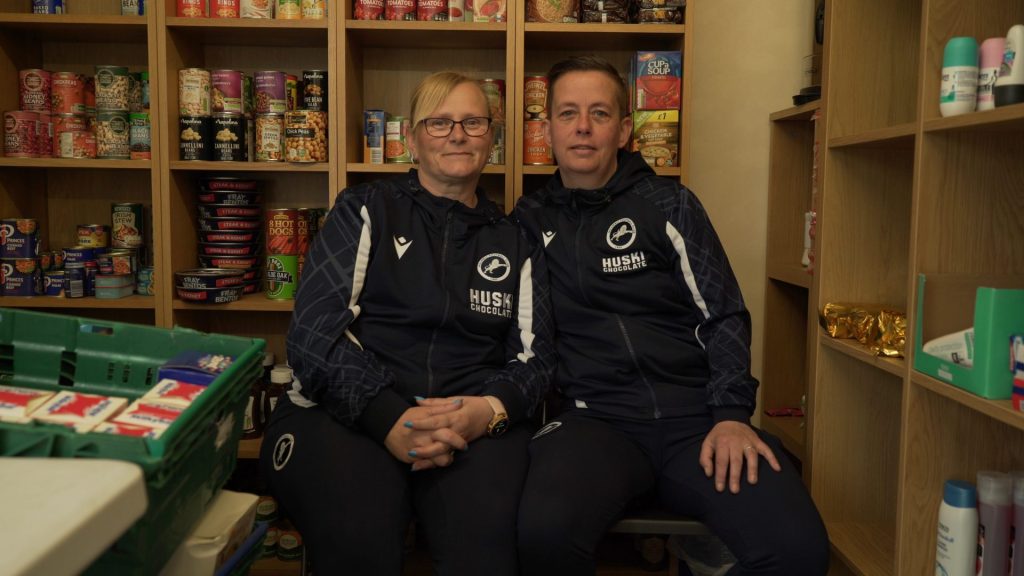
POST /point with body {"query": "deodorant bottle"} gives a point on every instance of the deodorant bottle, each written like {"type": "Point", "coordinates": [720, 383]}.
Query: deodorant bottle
{"type": "Point", "coordinates": [995, 508]}
{"type": "Point", "coordinates": [1010, 84]}
{"type": "Point", "coordinates": [959, 91]}
{"type": "Point", "coordinates": [958, 530]}
{"type": "Point", "coordinates": [1017, 530]}
{"type": "Point", "coordinates": [991, 58]}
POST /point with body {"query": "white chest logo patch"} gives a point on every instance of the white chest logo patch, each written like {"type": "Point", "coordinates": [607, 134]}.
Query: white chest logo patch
{"type": "Point", "coordinates": [494, 267]}
{"type": "Point", "coordinates": [548, 237]}
{"type": "Point", "coordinates": [401, 245]}
{"type": "Point", "coordinates": [283, 450]}
{"type": "Point", "coordinates": [621, 234]}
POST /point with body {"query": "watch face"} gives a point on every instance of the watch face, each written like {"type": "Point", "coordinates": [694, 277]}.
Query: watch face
{"type": "Point", "coordinates": [497, 427]}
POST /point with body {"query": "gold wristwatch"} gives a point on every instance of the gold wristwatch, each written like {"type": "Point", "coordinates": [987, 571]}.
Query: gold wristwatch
{"type": "Point", "coordinates": [499, 422]}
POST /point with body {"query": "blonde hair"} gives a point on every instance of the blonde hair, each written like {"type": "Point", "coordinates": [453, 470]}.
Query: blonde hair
{"type": "Point", "coordinates": [433, 90]}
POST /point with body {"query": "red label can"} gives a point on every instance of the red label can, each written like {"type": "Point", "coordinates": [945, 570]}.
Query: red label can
{"type": "Point", "coordinates": [535, 97]}
{"type": "Point", "coordinates": [20, 134]}
{"type": "Point", "coordinates": [192, 8]}
{"type": "Point", "coordinates": [283, 231]}
{"type": "Point", "coordinates": [44, 135]}
{"type": "Point", "coordinates": [67, 123]}
{"type": "Point", "coordinates": [67, 93]}
{"type": "Point", "coordinates": [34, 90]}
{"type": "Point", "coordinates": [535, 149]}
{"type": "Point", "coordinates": [436, 10]}
{"type": "Point", "coordinates": [400, 10]}
{"type": "Point", "coordinates": [302, 229]}
{"type": "Point", "coordinates": [224, 8]}
{"type": "Point", "coordinates": [369, 10]}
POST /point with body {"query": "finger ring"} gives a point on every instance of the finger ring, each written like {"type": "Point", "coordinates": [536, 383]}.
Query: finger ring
{"type": "Point", "coordinates": [748, 447]}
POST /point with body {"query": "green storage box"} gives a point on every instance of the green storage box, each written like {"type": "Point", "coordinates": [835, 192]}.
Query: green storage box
{"type": "Point", "coordinates": [994, 305]}
{"type": "Point", "coordinates": [184, 468]}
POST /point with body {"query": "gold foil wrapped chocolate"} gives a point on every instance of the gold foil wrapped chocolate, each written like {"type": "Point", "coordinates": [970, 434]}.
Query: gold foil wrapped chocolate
{"type": "Point", "coordinates": [880, 329]}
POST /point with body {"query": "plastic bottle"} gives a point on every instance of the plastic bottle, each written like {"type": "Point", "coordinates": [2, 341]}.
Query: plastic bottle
{"type": "Point", "coordinates": [1017, 530]}
{"type": "Point", "coordinates": [995, 509]}
{"type": "Point", "coordinates": [958, 530]}
{"type": "Point", "coordinates": [988, 71]}
{"type": "Point", "coordinates": [1010, 84]}
{"type": "Point", "coordinates": [959, 91]}
{"type": "Point", "coordinates": [280, 381]}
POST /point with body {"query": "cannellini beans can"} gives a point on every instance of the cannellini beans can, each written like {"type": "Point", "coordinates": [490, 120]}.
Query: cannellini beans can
{"type": "Point", "coordinates": [194, 92]}
{"type": "Point", "coordinates": [113, 136]}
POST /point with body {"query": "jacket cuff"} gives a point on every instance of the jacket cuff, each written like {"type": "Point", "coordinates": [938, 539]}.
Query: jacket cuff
{"type": "Point", "coordinates": [511, 397]}
{"type": "Point", "coordinates": [730, 413]}
{"type": "Point", "coordinates": [381, 413]}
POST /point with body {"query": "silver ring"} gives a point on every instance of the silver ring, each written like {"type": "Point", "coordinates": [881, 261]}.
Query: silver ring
{"type": "Point", "coordinates": [748, 447]}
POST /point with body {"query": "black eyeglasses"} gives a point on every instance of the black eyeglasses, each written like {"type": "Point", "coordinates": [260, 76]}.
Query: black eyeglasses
{"type": "Point", "coordinates": [441, 127]}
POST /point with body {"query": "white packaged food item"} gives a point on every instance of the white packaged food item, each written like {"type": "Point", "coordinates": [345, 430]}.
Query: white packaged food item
{"type": "Point", "coordinates": [79, 411]}
{"type": "Point", "coordinates": [16, 403]}
{"type": "Point", "coordinates": [173, 393]}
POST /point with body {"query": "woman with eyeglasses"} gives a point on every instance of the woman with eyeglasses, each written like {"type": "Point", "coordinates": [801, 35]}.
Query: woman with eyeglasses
{"type": "Point", "coordinates": [421, 341]}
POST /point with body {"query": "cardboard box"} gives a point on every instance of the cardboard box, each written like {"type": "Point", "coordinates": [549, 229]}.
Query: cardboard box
{"type": "Point", "coordinates": [994, 305]}
{"type": "Point", "coordinates": [657, 80]}
{"type": "Point", "coordinates": [222, 529]}
{"type": "Point", "coordinates": [656, 136]}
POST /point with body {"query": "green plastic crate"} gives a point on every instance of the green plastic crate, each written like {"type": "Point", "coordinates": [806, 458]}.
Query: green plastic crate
{"type": "Point", "coordinates": [184, 468]}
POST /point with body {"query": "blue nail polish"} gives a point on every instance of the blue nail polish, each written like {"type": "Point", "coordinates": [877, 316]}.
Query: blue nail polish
{"type": "Point", "coordinates": [457, 401]}
{"type": "Point", "coordinates": [419, 398]}
{"type": "Point", "coordinates": [412, 453]}
{"type": "Point", "coordinates": [407, 424]}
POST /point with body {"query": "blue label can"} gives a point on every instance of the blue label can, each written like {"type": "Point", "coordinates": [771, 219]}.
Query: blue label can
{"type": "Point", "coordinates": [21, 276]}
{"type": "Point", "coordinates": [74, 281]}
{"type": "Point", "coordinates": [53, 283]}
{"type": "Point", "coordinates": [79, 254]}
{"type": "Point", "coordinates": [19, 237]}
{"type": "Point", "coordinates": [89, 286]}
{"type": "Point", "coordinates": [47, 6]}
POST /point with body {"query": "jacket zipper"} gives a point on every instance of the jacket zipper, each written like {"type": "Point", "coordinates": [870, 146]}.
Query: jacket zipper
{"type": "Point", "coordinates": [447, 303]}
{"type": "Point", "coordinates": [579, 268]}
{"type": "Point", "coordinates": [636, 364]}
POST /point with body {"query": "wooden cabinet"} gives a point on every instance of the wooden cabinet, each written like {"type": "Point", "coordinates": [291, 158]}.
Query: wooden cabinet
{"type": "Point", "coordinates": [905, 192]}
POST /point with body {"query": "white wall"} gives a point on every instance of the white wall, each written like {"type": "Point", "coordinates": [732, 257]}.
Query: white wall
{"type": "Point", "coordinates": [747, 63]}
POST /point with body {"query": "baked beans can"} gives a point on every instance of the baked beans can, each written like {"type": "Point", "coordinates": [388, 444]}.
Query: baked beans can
{"type": "Point", "coordinates": [44, 135]}
{"type": "Point", "coordinates": [282, 276]}
{"type": "Point", "coordinates": [20, 134]}
{"type": "Point", "coordinates": [535, 149]}
{"type": "Point", "coordinates": [314, 9]}
{"type": "Point", "coordinates": [139, 138]}
{"type": "Point", "coordinates": [194, 138]}
{"type": "Point", "coordinates": [374, 122]}
{"type": "Point", "coordinates": [19, 237]}
{"type": "Point", "coordinates": [494, 88]}
{"type": "Point", "coordinates": [291, 92]}
{"type": "Point", "coordinates": [225, 9]}
{"type": "Point", "coordinates": [270, 92]}
{"type": "Point", "coordinates": [369, 10]}
{"type": "Point", "coordinates": [67, 93]}
{"type": "Point", "coordinates": [305, 136]}
{"type": "Point", "coordinates": [535, 97]}
{"type": "Point", "coordinates": [432, 10]}
{"type": "Point", "coordinates": [229, 137]}
{"type": "Point", "coordinates": [53, 283]}
{"type": "Point", "coordinates": [314, 90]}
{"type": "Point", "coordinates": [269, 144]}
{"type": "Point", "coordinates": [288, 9]}
{"type": "Point", "coordinates": [226, 91]}
{"type": "Point", "coordinates": [127, 225]}
{"type": "Point", "coordinates": [304, 229]}
{"type": "Point", "coordinates": [112, 88]}
{"type": "Point", "coordinates": [194, 92]}
{"type": "Point", "coordinates": [399, 9]}
{"type": "Point", "coordinates": [257, 8]}
{"type": "Point", "coordinates": [34, 90]}
{"type": "Point", "coordinates": [76, 145]}
{"type": "Point", "coordinates": [456, 10]}
{"type": "Point", "coordinates": [94, 235]}
{"type": "Point", "coordinates": [47, 6]}
{"type": "Point", "coordinates": [283, 231]}
{"type": "Point", "coordinates": [192, 8]}
{"type": "Point", "coordinates": [396, 148]}
{"type": "Point", "coordinates": [113, 136]}
{"type": "Point", "coordinates": [21, 275]}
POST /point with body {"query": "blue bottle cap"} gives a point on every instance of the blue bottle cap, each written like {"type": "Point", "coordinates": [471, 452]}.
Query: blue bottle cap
{"type": "Point", "coordinates": [960, 494]}
{"type": "Point", "coordinates": [960, 51]}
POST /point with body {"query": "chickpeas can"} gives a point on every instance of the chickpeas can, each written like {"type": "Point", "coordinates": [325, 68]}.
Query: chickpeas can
{"type": "Point", "coordinates": [314, 90]}
{"type": "Point", "coordinates": [127, 225]}
{"type": "Point", "coordinates": [314, 9]}
{"type": "Point", "coordinates": [270, 92]}
{"type": "Point", "coordinates": [194, 138]}
{"type": "Point", "coordinates": [191, 8]}
{"type": "Point", "coordinates": [257, 8]}
{"type": "Point", "coordinates": [269, 142]}
{"type": "Point", "coordinates": [67, 93]}
{"type": "Point", "coordinates": [193, 92]}
{"type": "Point", "coordinates": [113, 136]}
{"type": "Point", "coordinates": [305, 136]}
{"type": "Point", "coordinates": [229, 137]}
{"type": "Point", "coordinates": [20, 134]}
{"type": "Point", "coordinates": [112, 87]}
{"type": "Point", "coordinates": [139, 140]}
{"type": "Point", "coordinates": [289, 10]}
{"type": "Point", "coordinates": [34, 90]}
{"type": "Point", "coordinates": [226, 91]}
{"type": "Point", "coordinates": [225, 9]}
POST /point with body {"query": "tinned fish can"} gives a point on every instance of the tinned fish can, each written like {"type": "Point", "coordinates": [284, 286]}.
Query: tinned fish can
{"type": "Point", "coordinates": [399, 9]}
{"type": "Point", "coordinates": [229, 138]}
{"type": "Point", "coordinates": [288, 9]}
{"type": "Point", "coordinates": [270, 92]}
{"type": "Point", "coordinates": [225, 9]}
{"type": "Point", "coordinates": [67, 93]}
{"type": "Point", "coordinates": [535, 149]}
{"type": "Point", "coordinates": [127, 225]}
{"type": "Point", "coordinates": [139, 136]}
{"type": "Point", "coordinates": [314, 90]}
{"type": "Point", "coordinates": [19, 237]}
{"type": "Point", "coordinates": [193, 92]}
{"type": "Point", "coordinates": [257, 9]}
{"type": "Point", "coordinates": [226, 91]}
{"type": "Point", "coordinates": [396, 148]}
{"type": "Point", "coordinates": [282, 275]}
{"type": "Point", "coordinates": [283, 231]}
{"type": "Point", "coordinates": [194, 138]}
{"type": "Point", "coordinates": [314, 9]}
{"type": "Point", "coordinates": [191, 8]}
{"type": "Point", "coordinates": [113, 136]}
{"type": "Point", "coordinates": [93, 235]}
{"type": "Point", "coordinates": [269, 141]}
{"type": "Point", "coordinates": [305, 136]}
{"type": "Point", "coordinates": [144, 283]}
{"type": "Point", "coordinates": [34, 90]}
{"type": "Point", "coordinates": [112, 88]}
{"type": "Point", "coordinates": [369, 10]}
{"type": "Point", "coordinates": [20, 134]}
{"type": "Point", "coordinates": [432, 10]}
{"type": "Point", "coordinates": [374, 122]}
{"type": "Point", "coordinates": [21, 276]}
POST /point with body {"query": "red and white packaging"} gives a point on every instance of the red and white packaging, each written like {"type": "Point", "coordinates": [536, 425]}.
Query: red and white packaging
{"type": "Point", "coordinates": [149, 415]}
{"type": "Point", "coordinates": [17, 404]}
{"type": "Point", "coordinates": [173, 393]}
{"type": "Point", "coordinates": [127, 430]}
{"type": "Point", "coordinates": [79, 411]}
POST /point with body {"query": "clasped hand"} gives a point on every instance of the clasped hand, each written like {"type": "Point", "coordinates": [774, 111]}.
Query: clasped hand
{"type": "Point", "coordinates": [428, 434]}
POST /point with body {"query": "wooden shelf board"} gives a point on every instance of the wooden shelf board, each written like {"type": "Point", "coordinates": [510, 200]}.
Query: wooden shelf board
{"type": "Point", "coordinates": [272, 566]}
{"type": "Point", "coordinates": [802, 112]}
{"type": "Point", "coordinates": [250, 449]}
{"type": "Point", "coordinates": [549, 169]}
{"type": "Point", "coordinates": [113, 29]}
{"type": "Point", "coordinates": [788, 429]}
{"type": "Point", "coordinates": [899, 136]}
{"type": "Point", "coordinates": [1006, 118]}
{"type": "Point", "coordinates": [385, 34]}
{"type": "Point", "coordinates": [793, 274]}
{"type": "Point", "coordinates": [251, 31]}
{"type": "Point", "coordinates": [247, 303]}
{"type": "Point", "coordinates": [82, 163]}
{"type": "Point", "coordinates": [134, 302]}
{"type": "Point", "coordinates": [1001, 410]}
{"type": "Point", "coordinates": [869, 549]}
{"type": "Point", "coordinates": [853, 349]}
{"type": "Point", "coordinates": [208, 166]}
{"type": "Point", "coordinates": [364, 168]}
{"type": "Point", "coordinates": [542, 36]}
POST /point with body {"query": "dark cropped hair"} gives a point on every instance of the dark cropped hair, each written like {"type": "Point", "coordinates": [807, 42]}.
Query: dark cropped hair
{"type": "Point", "coordinates": [588, 64]}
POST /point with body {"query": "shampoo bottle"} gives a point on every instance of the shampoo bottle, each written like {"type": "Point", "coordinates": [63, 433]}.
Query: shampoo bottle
{"type": "Point", "coordinates": [995, 496]}
{"type": "Point", "coordinates": [959, 91]}
{"type": "Point", "coordinates": [1010, 84]}
{"type": "Point", "coordinates": [990, 61]}
{"type": "Point", "coordinates": [958, 530]}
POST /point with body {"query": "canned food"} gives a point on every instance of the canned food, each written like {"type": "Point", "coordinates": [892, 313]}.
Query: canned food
{"type": "Point", "coordinates": [46, 261]}
{"type": "Point", "coordinates": [229, 137]}
{"type": "Point", "coordinates": [251, 287]}
{"type": "Point", "coordinates": [369, 10]}
{"type": "Point", "coordinates": [44, 135]}
{"type": "Point", "coordinates": [118, 262]}
{"type": "Point", "coordinates": [115, 280]}
{"type": "Point", "coordinates": [128, 225]}
{"type": "Point", "coordinates": [89, 94]}
{"type": "Point", "coordinates": [283, 231]}
{"type": "Point", "coordinates": [456, 10]}
{"type": "Point", "coordinates": [488, 11]}
{"type": "Point", "coordinates": [112, 87]}
{"type": "Point", "coordinates": [494, 88]}
{"type": "Point", "coordinates": [289, 10]}
{"type": "Point", "coordinates": [242, 250]}
{"type": "Point", "coordinates": [270, 92]}
{"type": "Point", "coordinates": [232, 197]}
{"type": "Point", "coordinates": [535, 97]}
{"type": "Point", "coordinates": [248, 96]}
{"type": "Point", "coordinates": [144, 281]}
{"type": "Point", "coordinates": [228, 262]}
{"type": "Point", "coordinates": [497, 155]}
{"type": "Point", "coordinates": [227, 183]}
{"type": "Point", "coordinates": [224, 9]}
{"type": "Point", "coordinates": [74, 281]}
{"type": "Point", "coordinates": [53, 283]}
{"type": "Point", "coordinates": [139, 136]}
{"type": "Point", "coordinates": [67, 95]}
{"type": "Point", "coordinates": [314, 90]}
{"type": "Point", "coordinates": [250, 274]}
{"type": "Point", "coordinates": [230, 236]}
{"type": "Point", "coordinates": [228, 211]}
{"type": "Point", "coordinates": [289, 544]}
{"type": "Point", "coordinates": [435, 10]}
{"type": "Point", "coordinates": [314, 9]}
{"type": "Point", "coordinates": [374, 122]}
{"type": "Point", "coordinates": [302, 234]}
{"type": "Point", "coordinates": [269, 144]}
{"type": "Point", "coordinates": [21, 275]}
{"type": "Point", "coordinates": [230, 223]}
{"type": "Point", "coordinates": [227, 91]}
{"type": "Point", "coordinates": [79, 255]}
{"type": "Point", "coordinates": [94, 235]}
{"type": "Point", "coordinates": [282, 276]}
{"type": "Point", "coordinates": [257, 9]}
{"type": "Point", "coordinates": [66, 123]}
{"type": "Point", "coordinates": [19, 237]}
{"type": "Point", "coordinates": [194, 138]}
{"type": "Point", "coordinates": [89, 285]}
{"type": "Point", "coordinates": [132, 7]}
{"type": "Point", "coordinates": [535, 149]}
{"type": "Point", "coordinates": [47, 6]}
{"type": "Point", "coordinates": [135, 92]}
{"type": "Point", "coordinates": [202, 278]}
{"type": "Point", "coordinates": [144, 77]}
{"type": "Point", "coordinates": [192, 8]}
{"type": "Point", "coordinates": [34, 90]}
{"type": "Point", "coordinates": [291, 91]}
{"type": "Point", "coordinates": [20, 134]}
{"type": "Point", "coordinates": [210, 295]}
{"type": "Point", "coordinates": [399, 9]}
{"type": "Point", "coordinates": [305, 136]}
{"type": "Point", "coordinates": [193, 92]}
{"type": "Point", "coordinates": [76, 145]}
{"type": "Point", "coordinates": [113, 136]}
{"type": "Point", "coordinates": [396, 149]}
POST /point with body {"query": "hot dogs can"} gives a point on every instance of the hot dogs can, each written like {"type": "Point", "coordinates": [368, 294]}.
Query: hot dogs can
{"type": "Point", "coordinates": [270, 92]}
{"type": "Point", "coordinates": [94, 235]}
{"type": "Point", "coordinates": [194, 138]}
{"type": "Point", "coordinates": [226, 91]}
{"type": "Point", "coordinates": [396, 149]}
{"type": "Point", "coordinates": [282, 276]}
{"type": "Point", "coordinates": [399, 9]}
{"type": "Point", "coordinates": [314, 90]}
{"type": "Point", "coordinates": [67, 94]}
{"type": "Point", "coordinates": [229, 138]}
{"type": "Point", "coordinates": [34, 90]}
{"type": "Point", "coordinates": [139, 136]}
{"type": "Point", "coordinates": [432, 10]}
{"type": "Point", "coordinates": [19, 237]}
{"type": "Point", "coordinates": [193, 92]}
{"type": "Point", "coordinates": [76, 145]}
{"type": "Point", "coordinates": [535, 149]}
{"type": "Point", "coordinates": [112, 87]}
{"type": "Point", "coordinates": [113, 136]}
{"type": "Point", "coordinates": [305, 227]}
{"type": "Point", "coordinates": [20, 134]}
{"type": "Point", "coordinates": [283, 231]}
{"type": "Point", "coordinates": [225, 9]}
{"type": "Point", "coordinates": [288, 10]}
{"type": "Point", "coordinates": [269, 145]}
{"type": "Point", "coordinates": [127, 225]}
{"type": "Point", "coordinates": [314, 9]}
{"type": "Point", "coordinates": [257, 8]}
{"type": "Point", "coordinates": [369, 10]}
{"type": "Point", "coordinates": [21, 276]}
